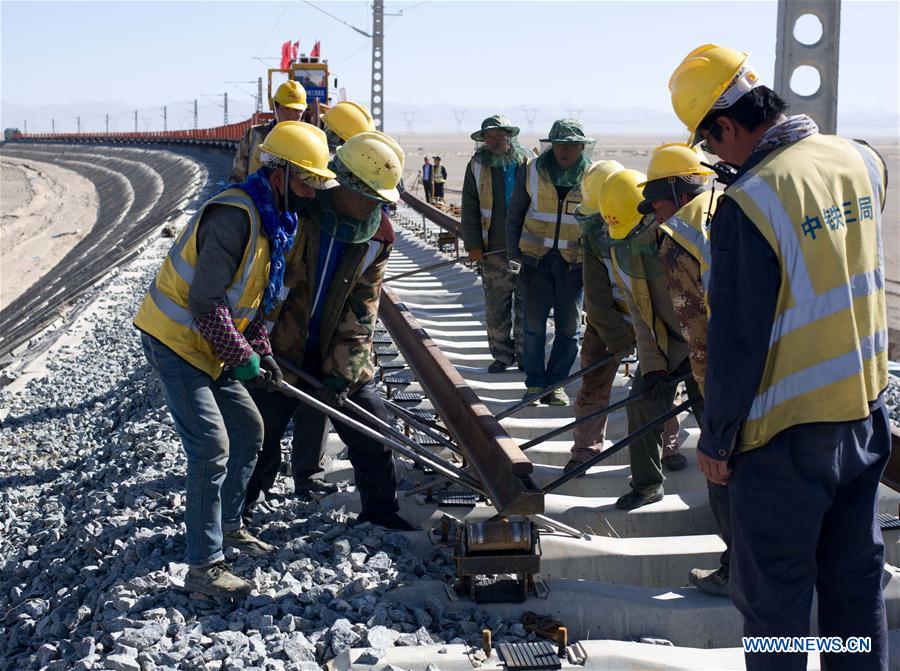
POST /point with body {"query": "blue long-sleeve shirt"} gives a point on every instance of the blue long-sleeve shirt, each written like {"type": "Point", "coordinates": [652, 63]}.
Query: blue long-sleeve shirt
{"type": "Point", "coordinates": [745, 279]}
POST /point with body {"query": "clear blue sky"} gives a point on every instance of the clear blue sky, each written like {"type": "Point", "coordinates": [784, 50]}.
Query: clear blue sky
{"type": "Point", "coordinates": [69, 58]}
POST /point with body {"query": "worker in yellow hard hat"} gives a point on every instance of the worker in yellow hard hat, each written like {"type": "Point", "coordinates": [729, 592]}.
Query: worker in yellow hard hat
{"type": "Point", "coordinates": [203, 332]}
{"type": "Point", "coordinates": [676, 193]}
{"type": "Point", "coordinates": [289, 104]}
{"type": "Point", "coordinates": [662, 351]}
{"type": "Point", "coordinates": [608, 332]}
{"type": "Point", "coordinates": [345, 120]}
{"type": "Point", "coordinates": [794, 421]}
{"type": "Point", "coordinates": [326, 324]}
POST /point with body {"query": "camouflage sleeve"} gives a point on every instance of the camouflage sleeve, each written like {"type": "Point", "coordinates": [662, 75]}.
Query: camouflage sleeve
{"type": "Point", "coordinates": [686, 290]}
{"type": "Point", "coordinates": [350, 352]}
{"type": "Point", "coordinates": [650, 356]}
{"type": "Point", "coordinates": [241, 159]}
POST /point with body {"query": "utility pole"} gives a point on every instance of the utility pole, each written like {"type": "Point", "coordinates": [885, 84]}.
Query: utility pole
{"type": "Point", "coordinates": [78, 118]}
{"type": "Point", "coordinates": [259, 106]}
{"type": "Point", "coordinates": [165, 120]}
{"type": "Point", "coordinates": [378, 63]}
{"type": "Point", "coordinates": [52, 125]}
{"type": "Point", "coordinates": [459, 115]}
{"type": "Point", "coordinates": [409, 115]}
{"type": "Point", "coordinates": [25, 126]}
{"type": "Point", "coordinates": [530, 114]}
{"type": "Point", "coordinates": [226, 108]}
{"type": "Point", "coordinates": [195, 114]}
{"type": "Point", "coordinates": [107, 124]}
{"type": "Point", "coordinates": [135, 121]}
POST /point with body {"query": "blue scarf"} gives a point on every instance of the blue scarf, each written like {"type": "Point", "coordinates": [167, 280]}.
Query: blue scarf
{"type": "Point", "coordinates": [279, 227]}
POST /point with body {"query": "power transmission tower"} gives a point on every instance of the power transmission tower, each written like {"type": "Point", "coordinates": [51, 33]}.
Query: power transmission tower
{"type": "Point", "coordinates": [78, 120]}
{"type": "Point", "coordinates": [378, 63]}
{"type": "Point", "coordinates": [107, 123]}
{"type": "Point", "coordinates": [573, 112]}
{"type": "Point", "coordinates": [195, 114]}
{"type": "Point", "coordinates": [135, 121]}
{"type": "Point", "coordinates": [52, 125]}
{"type": "Point", "coordinates": [165, 119]}
{"type": "Point", "coordinates": [409, 115]}
{"type": "Point", "coordinates": [530, 114]}
{"type": "Point", "coordinates": [459, 115]}
{"type": "Point", "coordinates": [25, 126]}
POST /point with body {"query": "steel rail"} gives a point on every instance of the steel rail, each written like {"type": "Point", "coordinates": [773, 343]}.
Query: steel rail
{"type": "Point", "coordinates": [493, 457]}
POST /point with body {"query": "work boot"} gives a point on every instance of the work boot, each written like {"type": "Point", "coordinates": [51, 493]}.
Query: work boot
{"type": "Point", "coordinates": [675, 461]}
{"type": "Point", "coordinates": [711, 581]}
{"type": "Point", "coordinates": [216, 580]}
{"type": "Point", "coordinates": [497, 367]}
{"type": "Point", "coordinates": [634, 499]}
{"type": "Point", "coordinates": [391, 521]}
{"type": "Point", "coordinates": [313, 487]}
{"type": "Point", "coordinates": [531, 391]}
{"type": "Point", "coordinates": [246, 542]}
{"type": "Point", "coordinates": [557, 397]}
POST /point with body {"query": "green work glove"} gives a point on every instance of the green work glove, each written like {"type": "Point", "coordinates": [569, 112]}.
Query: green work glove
{"type": "Point", "coordinates": [249, 370]}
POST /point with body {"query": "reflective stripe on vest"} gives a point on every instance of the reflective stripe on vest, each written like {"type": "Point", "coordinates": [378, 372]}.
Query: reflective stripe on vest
{"type": "Point", "coordinates": [639, 290]}
{"type": "Point", "coordinates": [618, 296]}
{"type": "Point", "coordinates": [688, 227]}
{"type": "Point", "coordinates": [484, 180]}
{"type": "Point", "coordinates": [827, 347]}
{"type": "Point", "coordinates": [539, 228]}
{"type": "Point", "coordinates": [164, 312]}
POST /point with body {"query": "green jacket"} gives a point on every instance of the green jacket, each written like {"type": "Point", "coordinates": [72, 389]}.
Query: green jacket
{"type": "Point", "coordinates": [351, 308]}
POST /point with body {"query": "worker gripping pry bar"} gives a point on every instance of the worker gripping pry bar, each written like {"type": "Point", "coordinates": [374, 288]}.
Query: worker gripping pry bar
{"type": "Point", "coordinates": [612, 407]}
{"type": "Point", "coordinates": [625, 442]}
{"type": "Point", "coordinates": [406, 446]}
{"type": "Point", "coordinates": [435, 266]}
{"type": "Point", "coordinates": [528, 400]}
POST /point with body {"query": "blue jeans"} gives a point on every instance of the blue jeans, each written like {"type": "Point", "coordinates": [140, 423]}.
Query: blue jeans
{"type": "Point", "coordinates": [552, 283]}
{"type": "Point", "coordinates": [221, 431]}
{"type": "Point", "coordinates": [803, 516]}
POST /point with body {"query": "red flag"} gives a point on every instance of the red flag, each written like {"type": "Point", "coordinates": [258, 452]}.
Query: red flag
{"type": "Point", "coordinates": [294, 50]}
{"type": "Point", "coordinates": [286, 55]}
{"type": "Point", "coordinates": [315, 50]}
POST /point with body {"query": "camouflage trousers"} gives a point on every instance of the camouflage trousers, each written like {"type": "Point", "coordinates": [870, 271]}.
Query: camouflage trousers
{"type": "Point", "coordinates": [503, 309]}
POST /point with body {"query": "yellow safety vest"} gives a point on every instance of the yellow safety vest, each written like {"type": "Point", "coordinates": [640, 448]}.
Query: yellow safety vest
{"type": "Point", "coordinates": [164, 311]}
{"type": "Point", "coordinates": [539, 228]}
{"type": "Point", "coordinates": [639, 289]}
{"type": "Point", "coordinates": [618, 297]}
{"type": "Point", "coordinates": [818, 204]}
{"type": "Point", "coordinates": [485, 181]}
{"type": "Point", "coordinates": [689, 227]}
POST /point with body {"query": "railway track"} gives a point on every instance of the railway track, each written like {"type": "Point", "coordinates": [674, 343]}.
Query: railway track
{"type": "Point", "coordinates": [623, 580]}
{"type": "Point", "coordinates": [626, 578]}
{"type": "Point", "coordinates": [138, 189]}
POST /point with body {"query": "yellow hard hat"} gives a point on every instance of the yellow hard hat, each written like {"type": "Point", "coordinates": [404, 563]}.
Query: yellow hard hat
{"type": "Point", "coordinates": [300, 144]}
{"type": "Point", "coordinates": [347, 119]}
{"type": "Point", "coordinates": [677, 159]}
{"type": "Point", "coordinates": [710, 77]}
{"type": "Point", "coordinates": [619, 202]}
{"type": "Point", "coordinates": [376, 160]}
{"type": "Point", "coordinates": [592, 184]}
{"type": "Point", "coordinates": [291, 94]}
